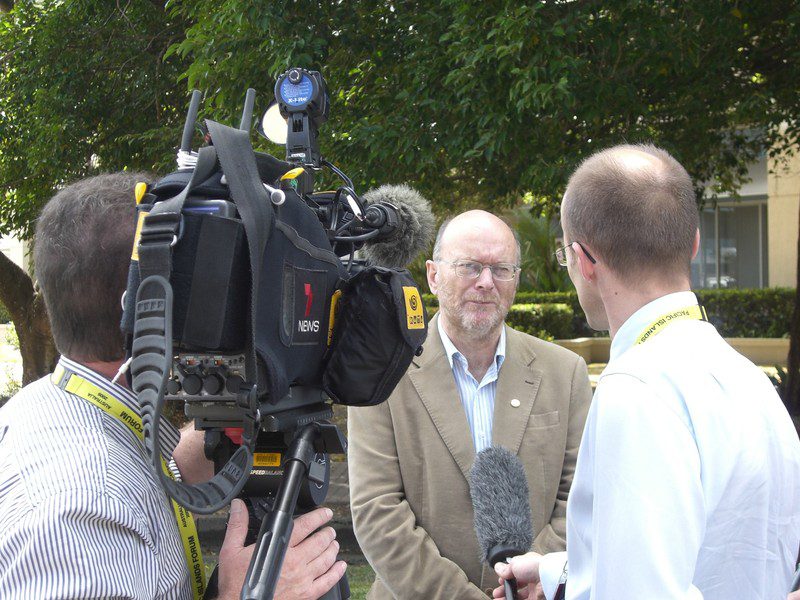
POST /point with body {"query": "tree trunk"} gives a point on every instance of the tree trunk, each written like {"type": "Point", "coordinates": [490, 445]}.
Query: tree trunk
{"type": "Point", "coordinates": [792, 399]}
{"type": "Point", "coordinates": [29, 315]}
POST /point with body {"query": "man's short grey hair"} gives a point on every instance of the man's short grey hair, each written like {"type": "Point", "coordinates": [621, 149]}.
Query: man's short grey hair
{"type": "Point", "coordinates": [82, 252]}
{"type": "Point", "coordinates": [437, 245]}
{"type": "Point", "coordinates": [638, 221]}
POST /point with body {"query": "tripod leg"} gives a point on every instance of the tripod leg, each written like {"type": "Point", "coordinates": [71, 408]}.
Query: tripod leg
{"type": "Point", "coordinates": [276, 529]}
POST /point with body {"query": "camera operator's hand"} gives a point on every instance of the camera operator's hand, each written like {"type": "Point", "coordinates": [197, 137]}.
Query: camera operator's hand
{"type": "Point", "coordinates": [309, 568]}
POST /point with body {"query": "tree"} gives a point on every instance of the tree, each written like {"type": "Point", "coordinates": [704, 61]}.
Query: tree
{"type": "Point", "coordinates": [483, 101]}
{"type": "Point", "coordinates": [478, 100]}
{"type": "Point", "coordinates": [475, 102]}
{"type": "Point", "coordinates": [83, 89]}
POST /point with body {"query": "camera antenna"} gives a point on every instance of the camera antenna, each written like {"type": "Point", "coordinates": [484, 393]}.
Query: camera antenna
{"type": "Point", "coordinates": [186, 158]}
{"type": "Point", "coordinates": [191, 119]}
{"type": "Point", "coordinates": [247, 111]}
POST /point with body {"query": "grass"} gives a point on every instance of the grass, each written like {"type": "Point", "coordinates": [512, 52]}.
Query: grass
{"type": "Point", "coordinates": [360, 578]}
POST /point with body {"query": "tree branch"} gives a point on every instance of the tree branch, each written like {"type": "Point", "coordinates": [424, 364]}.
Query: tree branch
{"type": "Point", "coordinates": [6, 5]}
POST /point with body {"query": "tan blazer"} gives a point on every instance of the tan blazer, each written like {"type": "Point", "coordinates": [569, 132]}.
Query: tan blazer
{"type": "Point", "coordinates": [409, 459]}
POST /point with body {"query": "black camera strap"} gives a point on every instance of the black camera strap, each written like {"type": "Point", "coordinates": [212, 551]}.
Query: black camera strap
{"type": "Point", "coordinates": [152, 335]}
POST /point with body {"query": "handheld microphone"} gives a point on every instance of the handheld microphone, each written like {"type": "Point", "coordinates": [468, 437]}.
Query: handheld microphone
{"type": "Point", "coordinates": [499, 494]}
{"type": "Point", "coordinates": [404, 222]}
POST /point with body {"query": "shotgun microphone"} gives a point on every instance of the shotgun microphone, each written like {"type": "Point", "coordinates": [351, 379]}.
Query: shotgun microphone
{"type": "Point", "coordinates": [499, 492]}
{"type": "Point", "coordinates": [405, 223]}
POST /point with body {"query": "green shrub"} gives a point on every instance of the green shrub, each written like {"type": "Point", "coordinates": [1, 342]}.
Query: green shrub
{"type": "Point", "coordinates": [5, 316]}
{"type": "Point", "coordinates": [578, 328]}
{"type": "Point", "coordinates": [735, 313]}
{"type": "Point", "coordinates": [546, 321]}
{"type": "Point", "coordinates": [749, 313]}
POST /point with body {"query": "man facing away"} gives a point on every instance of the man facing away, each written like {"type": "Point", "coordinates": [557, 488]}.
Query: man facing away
{"type": "Point", "coordinates": [688, 477]}
{"type": "Point", "coordinates": [81, 513]}
{"type": "Point", "coordinates": [477, 383]}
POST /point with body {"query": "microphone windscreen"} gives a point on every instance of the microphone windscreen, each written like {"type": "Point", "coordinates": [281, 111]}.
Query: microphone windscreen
{"type": "Point", "coordinates": [414, 232]}
{"type": "Point", "coordinates": [500, 502]}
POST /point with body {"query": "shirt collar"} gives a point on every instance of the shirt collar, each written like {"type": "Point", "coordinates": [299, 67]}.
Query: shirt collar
{"type": "Point", "coordinates": [451, 350]}
{"type": "Point", "coordinates": [169, 433]}
{"type": "Point", "coordinates": [627, 334]}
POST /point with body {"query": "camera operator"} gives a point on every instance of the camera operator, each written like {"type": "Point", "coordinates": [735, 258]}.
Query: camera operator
{"type": "Point", "coordinates": [81, 513]}
{"type": "Point", "coordinates": [687, 484]}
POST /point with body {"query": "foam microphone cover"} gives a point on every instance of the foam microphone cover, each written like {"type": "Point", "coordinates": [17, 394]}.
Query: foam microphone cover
{"type": "Point", "coordinates": [415, 226]}
{"type": "Point", "coordinates": [500, 502]}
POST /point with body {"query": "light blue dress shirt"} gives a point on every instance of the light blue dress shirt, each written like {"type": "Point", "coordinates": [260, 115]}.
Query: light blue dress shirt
{"type": "Point", "coordinates": [687, 485]}
{"type": "Point", "coordinates": [477, 398]}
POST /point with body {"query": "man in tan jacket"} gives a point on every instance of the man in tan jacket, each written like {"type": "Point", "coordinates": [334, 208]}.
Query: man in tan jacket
{"type": "Point", "coordinates": [478, 383]}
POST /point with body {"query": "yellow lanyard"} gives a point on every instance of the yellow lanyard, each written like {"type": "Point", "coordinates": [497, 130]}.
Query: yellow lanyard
{"type": "Point", "coordinates": [695, 312]}
{"type": "Point", "coordinates": [83, 388]}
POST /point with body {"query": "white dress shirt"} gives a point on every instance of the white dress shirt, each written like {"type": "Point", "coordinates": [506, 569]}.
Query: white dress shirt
{"type": "Point", "coordinates": [477, 398]}
{"type": "Point", "coordinates": [687, 484]}
{"type": "Point", "coordinates": [81, 512]}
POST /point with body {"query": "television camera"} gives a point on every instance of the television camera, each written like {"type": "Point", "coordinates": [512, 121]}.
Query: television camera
{"type": "Point", "coordinates": [245, 302]}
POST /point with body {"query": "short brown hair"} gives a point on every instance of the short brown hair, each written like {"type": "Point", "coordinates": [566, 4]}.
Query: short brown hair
{"type": "Point", "coordinates": [81, 255]}
{"type": "Point", "coordinates": [637, 219]}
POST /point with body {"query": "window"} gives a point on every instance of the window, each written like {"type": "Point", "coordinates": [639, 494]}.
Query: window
{"type": "Point", "coordinates": [733, 245]}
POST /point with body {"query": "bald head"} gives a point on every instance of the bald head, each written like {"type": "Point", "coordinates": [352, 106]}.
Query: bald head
{"type": "Point", "coordinates": [635, 207]}
{"type": "Point", "coordinates": [473, 222]}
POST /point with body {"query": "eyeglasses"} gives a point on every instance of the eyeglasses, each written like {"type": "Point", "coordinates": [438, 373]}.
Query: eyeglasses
{"type": "Point", "coordinates": [561, 254]}
{"type": "Point", "coordinates": [470, 269]}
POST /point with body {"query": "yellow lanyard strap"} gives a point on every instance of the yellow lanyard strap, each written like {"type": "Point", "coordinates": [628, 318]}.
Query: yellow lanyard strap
{"type": "Point", "coordinates": [83, 388]}
{"type": "Point", "coordinates": [695, 312]}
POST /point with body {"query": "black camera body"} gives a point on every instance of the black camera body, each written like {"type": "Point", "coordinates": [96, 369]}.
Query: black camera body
{"type": "Point", "coordinates": [239, 305]}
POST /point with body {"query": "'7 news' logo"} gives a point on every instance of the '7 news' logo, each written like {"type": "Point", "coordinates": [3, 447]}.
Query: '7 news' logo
{"type": "Point", "coordinates": [310, 293]}
{"type": "Point", "coordinates": [307, 325]}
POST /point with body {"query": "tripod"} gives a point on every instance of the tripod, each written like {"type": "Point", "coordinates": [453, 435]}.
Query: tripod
{"type": "Point", "coordinates": [301, 465]}
{"type": "Point", "coordinates": [287, 479]}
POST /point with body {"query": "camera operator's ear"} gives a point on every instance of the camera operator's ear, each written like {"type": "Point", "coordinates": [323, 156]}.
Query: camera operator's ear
{"type": "Point", "coordinates": [273, 126]}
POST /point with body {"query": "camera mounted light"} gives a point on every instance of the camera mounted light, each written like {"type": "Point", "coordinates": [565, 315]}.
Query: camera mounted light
{"type": "Point", "coordinates": [302, 100]}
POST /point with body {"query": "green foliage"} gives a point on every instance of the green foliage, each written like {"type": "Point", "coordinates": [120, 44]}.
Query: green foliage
{"type": "Point", "coordinates": [546, 321]}
{"type": "Point", "coordinates": [481, 102]}
{"type": "Point", "coordinates": [84, 88]}
{"type": "Point", "coordinates": [540, 270]}
{"type": "Point", "coordinates": [749, 312]}
{"type": "Point", "coordinates": [735, 313]}
{"type": "Point", "coordinates": [5, 316]}
{"type": "Point", "coordinates": [580, 328]}
{"type": "Point", "coordinates": [12, 383]}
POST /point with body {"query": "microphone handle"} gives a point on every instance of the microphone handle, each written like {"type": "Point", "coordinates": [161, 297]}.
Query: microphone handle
{"type": "Point", "coordinates": [510, 586]}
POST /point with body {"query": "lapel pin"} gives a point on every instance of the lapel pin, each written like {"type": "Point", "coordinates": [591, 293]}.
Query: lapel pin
{"type": "Point", "coordinates": [515, 403]}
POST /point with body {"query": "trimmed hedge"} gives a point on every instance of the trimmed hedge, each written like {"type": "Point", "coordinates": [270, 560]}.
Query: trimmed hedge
{"type": "Point", "coordinates": [546, 321]}
{"type": "Point", "coordinates": [764, 312]}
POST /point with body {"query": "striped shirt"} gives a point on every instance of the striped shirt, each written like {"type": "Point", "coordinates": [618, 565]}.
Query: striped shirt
{"type": "Point", "coordinates": [81, 513]}
{"type": "Point", "coordinates": [476, 398]}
